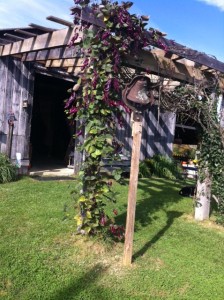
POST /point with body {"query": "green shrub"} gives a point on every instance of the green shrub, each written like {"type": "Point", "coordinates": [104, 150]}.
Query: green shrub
{"type": "Point", "coordinates": [8, 172]}
{"type": "Point", "coordinates": [144, 171]}
{"type": "Point", "coordinates": [161, 166]}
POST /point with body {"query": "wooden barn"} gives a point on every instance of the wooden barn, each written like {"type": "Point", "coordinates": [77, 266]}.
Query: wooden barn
{"type": "Point", "coordinates": [37, 68]}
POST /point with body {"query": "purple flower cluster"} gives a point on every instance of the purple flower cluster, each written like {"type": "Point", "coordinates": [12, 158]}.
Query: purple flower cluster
{"type": "Point", "coordinates": [105, 35]}
{"type": "Point", "coordinates": [117, 231]}
{"type": "Point", "coordinates": [73, 39]}
{"type": "Point", "coordinates": [95, 79]}
{"type": "Point", "coordinates": [116, 84]}
{"type": "Point", "coordinates": [85, 64]}
{"type": "Point", "coordinates": [106, 90]}
{"type": "Point", "coordinates": [103, 220]}
{"type": "Point", "coordinates": [70, 100]}
{"type": "Point", "coordinates": [73, 110]}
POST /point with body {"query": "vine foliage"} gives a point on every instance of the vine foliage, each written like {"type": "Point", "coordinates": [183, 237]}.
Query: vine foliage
{"type": "Point", "coordinates": [200, 103]}
{"type": "Point", "coordinates": [96, 100]}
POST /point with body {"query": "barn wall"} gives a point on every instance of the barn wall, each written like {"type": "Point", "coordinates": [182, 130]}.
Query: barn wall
{"type": "Point", "coordinates": [16, 85]}
{"type": "Point", "coordinates": [157, 134]}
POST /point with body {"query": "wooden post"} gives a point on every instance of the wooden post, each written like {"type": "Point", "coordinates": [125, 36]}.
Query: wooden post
{"type": "Point", "coordinates": [9, 140]}
{"type": "Point", "coordinates": [129, 232]}
{"type": "Point", "coordinates": [203, 196]}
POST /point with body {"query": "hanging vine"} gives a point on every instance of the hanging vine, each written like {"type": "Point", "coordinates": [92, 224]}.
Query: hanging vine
{"type": "Point", "coordinates": [96, 100]}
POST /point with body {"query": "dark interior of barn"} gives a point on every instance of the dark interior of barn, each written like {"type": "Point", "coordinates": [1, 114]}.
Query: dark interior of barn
{"type": "Point", "coordinates": [51, 131]}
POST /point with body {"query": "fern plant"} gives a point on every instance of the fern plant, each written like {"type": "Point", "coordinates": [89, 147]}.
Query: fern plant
{"type": "Point", "coordinates": [8, 172]}
{"type": "Point", "coordinates": [144, 170]}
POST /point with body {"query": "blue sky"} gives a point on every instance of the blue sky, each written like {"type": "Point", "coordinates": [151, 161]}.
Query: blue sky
{"type": "Point", "coordinates": [198, 24]}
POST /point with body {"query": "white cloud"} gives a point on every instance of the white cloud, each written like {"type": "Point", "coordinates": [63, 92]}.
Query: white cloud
{"type": "Point", "coordinates": [217, 3]}
{"type": "Point", "coordinates": [14, 13]}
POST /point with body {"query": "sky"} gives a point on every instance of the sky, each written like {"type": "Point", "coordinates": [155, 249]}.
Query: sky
{"type": "Point", "coordinates": [198, 24]}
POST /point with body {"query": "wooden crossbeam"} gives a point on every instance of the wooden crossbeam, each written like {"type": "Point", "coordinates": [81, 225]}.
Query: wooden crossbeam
{"type": "Point", "coordinates": [27, 33]}
{"type": "Point", "coordinates": [54, 72]}
{"type": "Point", "coordinates": [43, 28]}
{"type": "Point", "coordinates": [13, 36]}
{"type": "Point", "coordinates": [56, 53]}
{"type": "Point", "coordinates": [44, 41]}
{"type": "Point", "coordinates": [164, 67]}
{"type": "Point", "coordinates": [185, 52]}
{"type": "Point", "coordinates": [154, 61]}
{"type": "Point", "coordinates": [60, 21]}
{"type": "Point", "coordinates": [5, 41]}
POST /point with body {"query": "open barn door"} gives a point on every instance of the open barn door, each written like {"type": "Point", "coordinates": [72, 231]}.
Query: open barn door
{"type": "Point", "coordinates": [51, 132]}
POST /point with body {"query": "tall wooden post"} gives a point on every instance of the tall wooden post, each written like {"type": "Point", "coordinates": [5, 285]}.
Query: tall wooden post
{"type": "Point", "coordinates": [129, 233]}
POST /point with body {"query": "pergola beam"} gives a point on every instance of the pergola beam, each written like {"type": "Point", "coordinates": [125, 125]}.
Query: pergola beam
{"type": "Point", "coordinates": [13, 36]}
{"type": "Point", "coordinates": [164, 67]}
{"type": "Point", "coordinates": [54, 72]}
{"type": "Point", "coordinates": [5, 41]}
{"type": "Point", "coordinates": [153, 60]}
{"type": "Point", "coordinates": [60, 21]}
{"type": "Point", "coordinates": [56, 53]}
{"type": "Point", "coordinates": [27, 33]}
{"type": "Point", "coordinates": [44, 41]}
{"type": "Point", "coordinates": [43, 28]}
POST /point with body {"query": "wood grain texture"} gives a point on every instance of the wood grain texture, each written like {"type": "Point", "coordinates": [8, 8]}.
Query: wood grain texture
{"type": "Point", "coordinates": [16, 85]}
{"type": "Point", "coordinates": [133, 184]}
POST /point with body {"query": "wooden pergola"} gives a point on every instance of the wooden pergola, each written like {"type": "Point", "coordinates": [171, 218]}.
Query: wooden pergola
{"type": "Point", "coordinates": [48, 49]}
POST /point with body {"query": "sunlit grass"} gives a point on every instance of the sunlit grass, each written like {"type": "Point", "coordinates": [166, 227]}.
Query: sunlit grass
{"type": "Point", "coordinates": [42, 258]}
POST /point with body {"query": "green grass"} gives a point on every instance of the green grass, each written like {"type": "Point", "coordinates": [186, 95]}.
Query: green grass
{"type": "Point", "coordinates": [42, 258]}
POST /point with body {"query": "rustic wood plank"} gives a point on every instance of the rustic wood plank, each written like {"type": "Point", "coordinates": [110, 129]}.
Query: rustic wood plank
{"type": "Point", "coordinates": [183, 51]}
{"type": "Point", "coordinates": [44, 41]}
{"type": "Point", "coordinates": [16, 85]}
{"type": "Point", "coordinates": [60, 21]}
{"type": "Point", "coordinates": [27, 33]}
{"type": "Point", "coordinates": [55, 53]}
{"type": "Point", "coordinates": [132, 192]}
{"type": "Point", "coordinates": [163, 66]}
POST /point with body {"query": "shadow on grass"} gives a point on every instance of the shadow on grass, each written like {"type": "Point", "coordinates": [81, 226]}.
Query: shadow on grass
{"type": "Point", "coordinates": [171, 216]}
{"type": "Point", "coordinates": [154, 195]}
{"type": "Point", "coordinates": [84, 286]}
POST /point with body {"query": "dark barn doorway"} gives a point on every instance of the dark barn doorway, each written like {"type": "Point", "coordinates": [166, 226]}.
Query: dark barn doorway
{"type": "Point", "coordinates": [51, 132]}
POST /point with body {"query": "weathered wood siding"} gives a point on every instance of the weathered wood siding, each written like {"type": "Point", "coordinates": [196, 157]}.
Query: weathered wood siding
{"type": "Point", "coordinates": [157, 135]}
{"type": "Point", "coordinates": [16, 85]}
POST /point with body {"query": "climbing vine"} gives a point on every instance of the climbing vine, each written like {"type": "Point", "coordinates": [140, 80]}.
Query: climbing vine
{"type": "Point", "coordinates": [211, 157]}
{"type": "Point", "coordinates": [200, 103]}
{"type": "Point", "coordinates": [96, 100]}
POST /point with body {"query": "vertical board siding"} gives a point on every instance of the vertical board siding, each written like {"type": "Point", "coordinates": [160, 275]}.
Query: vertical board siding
{"type": "Point", "coordinates": [16, 85]}
{"type": "Point", "coordinates": [157, 134]}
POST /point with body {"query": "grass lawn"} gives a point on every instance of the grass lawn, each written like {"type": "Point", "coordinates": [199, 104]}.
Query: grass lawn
{"type": "Point", "coordinates": [41, 257]}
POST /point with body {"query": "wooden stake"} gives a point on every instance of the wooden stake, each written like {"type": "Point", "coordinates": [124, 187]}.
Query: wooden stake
{"type": "Point", "coordinates": [129, 233]}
